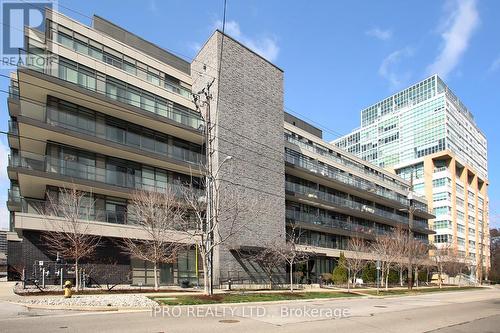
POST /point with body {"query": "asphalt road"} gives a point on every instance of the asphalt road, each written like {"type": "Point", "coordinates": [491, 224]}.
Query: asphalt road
{"type": "Point", "coordinates": [468, 311]}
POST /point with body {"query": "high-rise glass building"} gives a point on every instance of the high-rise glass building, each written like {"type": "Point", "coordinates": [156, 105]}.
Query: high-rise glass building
{"type": "Point", "coordinates": [425, 133]}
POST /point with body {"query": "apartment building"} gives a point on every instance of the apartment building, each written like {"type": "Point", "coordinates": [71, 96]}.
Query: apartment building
{"type": "Point", "coordinates": [108, 112]}
{"type": "Point", "coordinates": [426, 134]}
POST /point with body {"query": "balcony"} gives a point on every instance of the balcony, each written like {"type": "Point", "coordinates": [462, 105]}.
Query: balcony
{"type": "Point", "coordinates": [356, 182]}
{"type": "Point", "coordinates": [96, 82]}
{"type": "Point", "coordinates": [339, 160]}
{"type": "Point", "coordinates": [350, 204]}
{"type": "Point", "coordinates": [323, 221]}
{"type": "Point", "coordinates": [95, 52]}
{"type": "Point", "coordinates": [13, 134]}
{"type": "Point", "coordinates": [79, 170]}
{"type": "Point", "coordinates": [33, 206]}
{"type": "Point", "coordinates": [147, 140]}
{"type": "Point", "coordinates": [14, 199]}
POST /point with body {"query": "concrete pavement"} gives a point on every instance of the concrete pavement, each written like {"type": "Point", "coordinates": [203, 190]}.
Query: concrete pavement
{"type": "Point", "coordinates": [468, 311]}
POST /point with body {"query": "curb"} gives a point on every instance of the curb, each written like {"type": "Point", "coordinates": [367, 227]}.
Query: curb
{"type": "Point", "coordinates": [131, 309]}
{"type": "Point", "coordinates": [82, 308]}
{"type": "Point", "coordinates": [270, 302]}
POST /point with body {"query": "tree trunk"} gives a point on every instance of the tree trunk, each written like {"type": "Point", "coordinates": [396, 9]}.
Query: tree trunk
{"type": "Point", "coordinates": [155, 272]}
{"type": "Point", "coordinates": [387, 280]}
{"type": "Point", "coordinates": [401, 276]}
{"type": "Point", "coordinates": [77, 276]}
{"type": "Point", "coordinates": [416, 276]}
{"type": "Point", "coordinates": [440, 274]}
{"type": "Point", "coordinates": [291, 278]}
{"type": "Point", "coordinates": [348, 280]}
{"type": "Point", "coordinates": [206, 280]}
{"type": "Point", "coordinates": [410, 277]}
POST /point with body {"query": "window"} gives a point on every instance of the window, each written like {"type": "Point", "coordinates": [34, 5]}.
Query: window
{"type": "Point", "coordinates": [446, 224]}
{"type": "Point", "coordinates": [148, 102]}
{"type": "Point", "coordinates": [439, 211]}
{"type": "Point", "coordinates": [68, 72]}
{"type": "Point", "coordinates": [442, 238]}
{"type": "Point", "coordinates": [441, 196]}
{"type": "Point", "coordinates": [65, 40]}
{"type": "Point", "coordinates": [134, 97]}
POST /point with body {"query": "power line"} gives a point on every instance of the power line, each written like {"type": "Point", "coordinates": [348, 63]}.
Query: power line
{"type": "Point", "coordinates": [332, 132]}
{"type": "Point", "coordinates": [192, 59]}
{"type": "Point", "coordinates": [128, 111]}
{"type": "Point", "coordinates": [218, 95]}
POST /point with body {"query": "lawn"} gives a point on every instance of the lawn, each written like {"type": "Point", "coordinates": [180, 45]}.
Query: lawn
{"type": "Point", "coordinates": [390, 292]}
{"type": "Point", "coordinates": [247, 297]}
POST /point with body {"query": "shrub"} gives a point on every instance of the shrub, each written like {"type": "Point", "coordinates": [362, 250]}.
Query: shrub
{"type": "Point", "coordinates": [326, 277]}
{"type": "Point", "coordinates": [369, 274]}
{"type": "Point", "coordinates": [339, 275]}
{"type": "Point", "coordinates": [393, 276]}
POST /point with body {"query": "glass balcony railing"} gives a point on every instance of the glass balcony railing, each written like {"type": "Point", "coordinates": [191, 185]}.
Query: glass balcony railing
{"type": "Point", "coordinates": [315, 167]}
{"type": "Point", "coordinates": [13, 92]}
{"type": "Point", "coordinates": [14, 195]}
{"type": "Point", "coordinates": [89, 79]}
{"type": "Point", "coordinates": [96, 51]}
{"type": "Point", "coordinates": [42, 207]}
{"type": "Point", "coordinates": [13, 127]}
{"type": "Point", "coordinates": [79, 170]}
{"type": "Point", "coordinates": [343, 202]}
{"type": "Point", "coordinates": [339, 160]}
{"type": "Point", "coordinates": [356, 182]}
{"type": "Point", "coordinates": [333, 223]}
{"type": "Point", "coordinates": [33, 206]}
{"type": "Point", "coordinates": [85, 125]}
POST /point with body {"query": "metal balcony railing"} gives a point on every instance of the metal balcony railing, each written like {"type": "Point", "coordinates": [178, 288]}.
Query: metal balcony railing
{"type": "Point", "coordinates": [79, 170]}
{"type": "Point", "coordinates": [344, 202]}
{"type": "Point", "coordinates": [13, 127]}
{"type": "Point", "coordinates": [102, 130]}
{"type": "Point", "coordinates": [315, 167]}
{"type": "Point", "coordinates": [98, 82]}
{"type": "Point", "coordinates": [334, 223]}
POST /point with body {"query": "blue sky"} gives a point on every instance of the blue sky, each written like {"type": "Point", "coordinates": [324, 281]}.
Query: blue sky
{"type": "Point", "coordinates": [338, 56]}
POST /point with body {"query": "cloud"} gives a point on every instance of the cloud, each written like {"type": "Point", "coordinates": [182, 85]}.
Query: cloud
{"type": "Point", "coordinates": [266, 46]}
{"type": "Point", "coordinates": [379, 33]}
{"type": "Point", "coordinates": [390, 68]}
{"type": "Point", "coordinates": [457, 27]}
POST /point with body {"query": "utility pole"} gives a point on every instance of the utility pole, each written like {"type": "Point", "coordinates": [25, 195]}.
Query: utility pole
{"type": "Point", "coordinates": [411, 210]}
{"type": "Point", "coordinates": [209, 137]}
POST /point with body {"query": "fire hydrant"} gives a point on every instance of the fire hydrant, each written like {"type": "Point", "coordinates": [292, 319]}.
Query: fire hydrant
{"type": "Point", "coordinates": [67, 289]}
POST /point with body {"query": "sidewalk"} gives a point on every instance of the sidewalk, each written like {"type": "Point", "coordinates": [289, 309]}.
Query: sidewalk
{"type": "Point", "coordinates": [7, 291]}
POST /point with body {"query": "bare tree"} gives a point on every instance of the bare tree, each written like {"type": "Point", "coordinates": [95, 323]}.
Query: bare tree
{"type": "Point", "coordinates": [399, 249]}
{"type": "Point", "coordinates": [383, 247]}
{"type": "Point", "coordinates": [160, 216]}
{"type": "Point", "coordinates": [104, 273]}
{"type": "Point", "coordinates": [266, 258]}
{"type": "Point", "coordinates": [416, 250]}
{"type": "Point", "coordinates": [441, 255]}
{"type": "Point", "coordinates": [69, 214]}
{"type": "Point", "coordinates": [210, 230]}
{"type": "Point", "coordinates": [289, 251]}
{"type": "Point", "coordinates": [356, 260]}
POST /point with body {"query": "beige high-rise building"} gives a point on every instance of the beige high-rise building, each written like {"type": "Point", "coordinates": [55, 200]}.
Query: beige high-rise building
{"type": "Point", "coordinates": [426, 133]}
